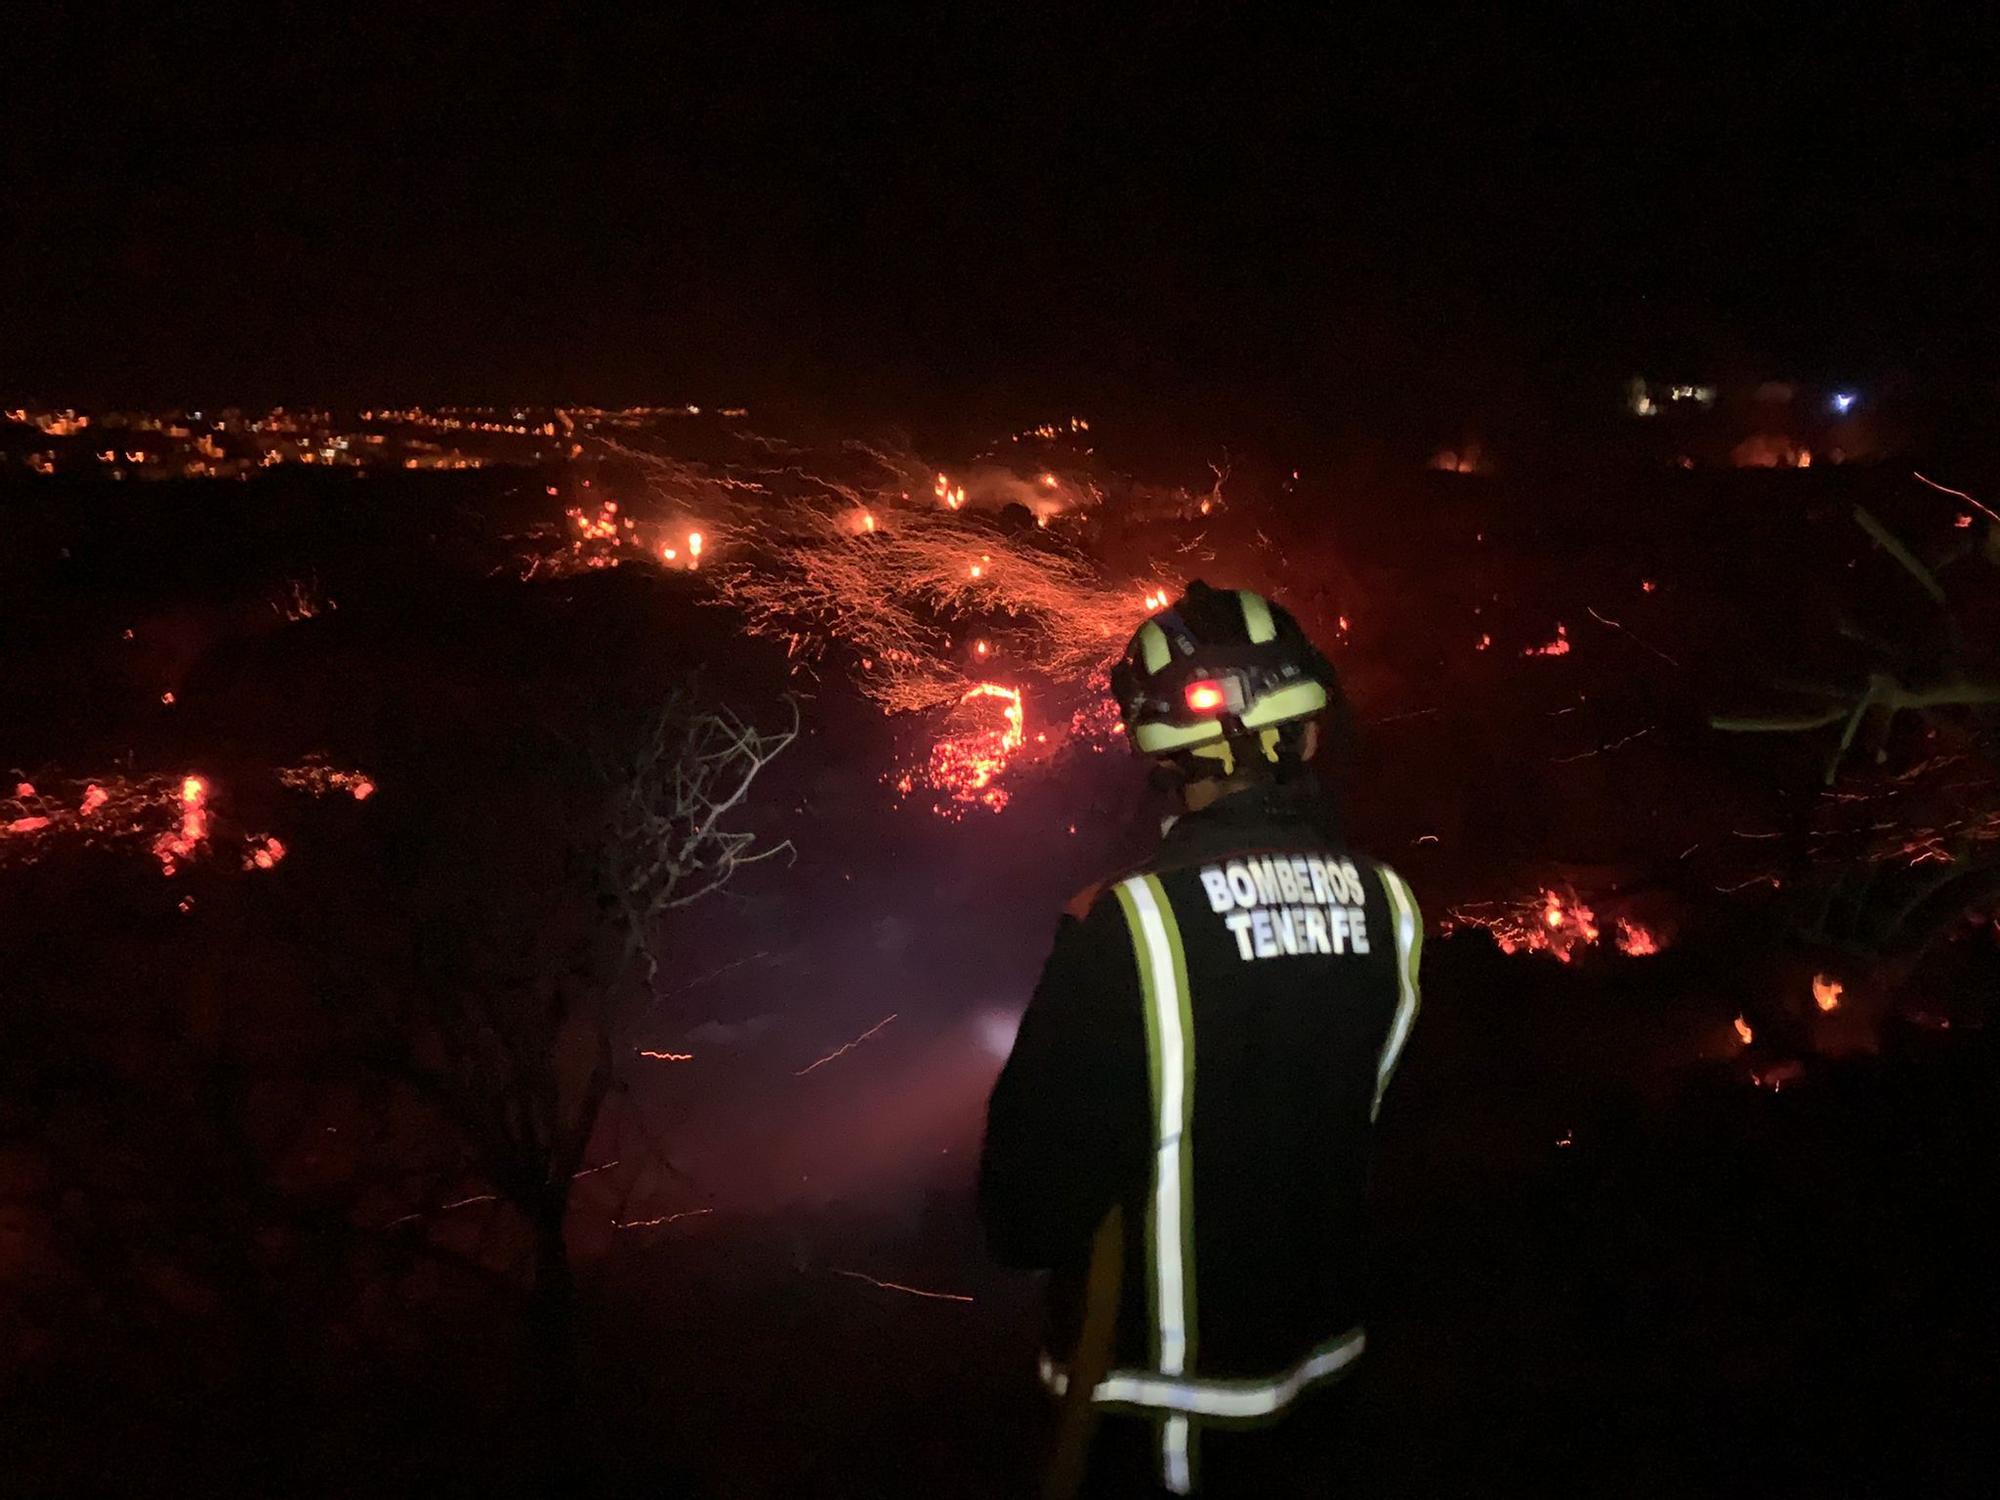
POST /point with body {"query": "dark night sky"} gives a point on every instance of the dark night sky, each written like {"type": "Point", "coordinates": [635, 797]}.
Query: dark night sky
{"type": "Point", "coordinates": [976, 203]}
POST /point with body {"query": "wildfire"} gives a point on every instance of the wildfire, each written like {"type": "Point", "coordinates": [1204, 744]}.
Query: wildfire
{"type": "Point", "coordinates": [963, 765]}
{"type": "Point", "coordinates": [1743, 1032]}
{"type": "Point", "coordinates": [171, 817]}
{"type": "Point", "coordinates": [1549, 924]}
{"type": "Point", "coordinates": [180, 844]}
{"type": "Point", "coordinates": [836, 553]}
{"type": "Point", "coordinates": [1826, 993]}
{"type": "Point", "coordinates": [1557, 647]}
{"type": "Point", "coordinates": [1553, 923]}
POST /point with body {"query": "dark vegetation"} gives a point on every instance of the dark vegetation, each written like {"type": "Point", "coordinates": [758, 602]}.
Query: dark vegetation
{"type": "Point", "coordinates": [230, 1136]}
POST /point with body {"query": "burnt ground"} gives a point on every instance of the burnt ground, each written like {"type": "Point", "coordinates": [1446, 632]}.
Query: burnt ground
{"type": "Point", "coordinates": [1608, 1263]}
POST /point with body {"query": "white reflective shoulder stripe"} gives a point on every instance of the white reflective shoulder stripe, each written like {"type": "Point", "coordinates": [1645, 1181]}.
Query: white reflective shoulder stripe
{"type": "Point", "coordinates": [1218, 1400]}
{"type": "Point", "coordinates": [1409, 940]}
{"type": "Point", "coordinates": [1165, 1000]}
{"type": "Point", "coordinates": [1172, 1302]}
{"type": "Point", "coordinates": [1175, 1476]}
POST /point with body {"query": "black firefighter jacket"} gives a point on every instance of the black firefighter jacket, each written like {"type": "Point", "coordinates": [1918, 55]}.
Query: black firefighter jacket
{"type": "Point", "coordinates": [1208, 1047]}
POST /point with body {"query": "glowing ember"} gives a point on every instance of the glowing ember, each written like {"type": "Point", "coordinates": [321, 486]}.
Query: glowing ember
{"type": "Point", "coordinates": [1743, 1031]}
{"type": "Point", "coordinates": [318, 778]}
{"type": "Point", "coordinates": [1826, 992]}
{"type": "Point", "coordinates": [94, 797]}
{"type": "Point", "coordinates": [173, 847]}
{"type": "Point", "coordinates": [686, 1213]}
{"type": "Point", "coordinates": [1557, 647]}
{"type": "Point", "coordinates": [263, 853]}
{"type": "Point", "coordinates": [24, 789]}
{"type": "Point", "coordinates": [846, 1047]}
{"type": "Point", "coordinates": [897, 1286]}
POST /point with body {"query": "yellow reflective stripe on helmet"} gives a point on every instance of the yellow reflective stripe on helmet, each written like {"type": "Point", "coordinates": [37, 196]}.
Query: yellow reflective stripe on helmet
{"type": "Point", "coordinates": [1157, 738]}
{"type": "Point", "coordinates": [1257, 617]}
{"type": "Point", "coordinates": [1409, 926]}
{"type": "Point", "coordinates": [1156, 946]}
{"type": "Point", "coordinates": [1153, 643]}
{"type": "Point", "coordinates": [1298, 701]}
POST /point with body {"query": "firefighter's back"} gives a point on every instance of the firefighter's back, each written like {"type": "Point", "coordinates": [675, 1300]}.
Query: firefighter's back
{"type": "Point", "coordinates": [1277, 974]}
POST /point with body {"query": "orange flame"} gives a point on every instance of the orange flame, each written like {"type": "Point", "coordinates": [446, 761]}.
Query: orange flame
{"type": "Point", "coordinates": [1636, 941]}
{"type": "Point", "coordinates": [1826, 991]}
{"type": "Point", "coordinates": [171, 848]}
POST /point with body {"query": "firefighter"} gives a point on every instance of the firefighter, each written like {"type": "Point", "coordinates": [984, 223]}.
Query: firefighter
{"type": "Point", "coordinates": [1181, 1134]}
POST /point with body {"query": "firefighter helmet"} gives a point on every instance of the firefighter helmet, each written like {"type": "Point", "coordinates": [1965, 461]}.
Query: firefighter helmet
{"type": "Point", "coordinates": [1217, 674]}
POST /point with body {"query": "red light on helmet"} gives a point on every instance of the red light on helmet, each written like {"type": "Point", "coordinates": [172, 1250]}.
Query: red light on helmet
{"type": "Point", "coordinates": [1206, 695]}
